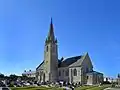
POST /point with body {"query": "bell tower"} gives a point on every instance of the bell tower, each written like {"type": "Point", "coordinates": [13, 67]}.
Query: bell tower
{"type": "Point", "coordinates": [51, 56]}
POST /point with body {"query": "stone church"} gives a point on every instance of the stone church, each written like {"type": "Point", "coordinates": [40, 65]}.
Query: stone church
{"type": "Point", "coordinates": [77, 69]}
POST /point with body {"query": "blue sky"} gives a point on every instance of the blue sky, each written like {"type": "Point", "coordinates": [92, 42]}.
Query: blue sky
{"type": "Point", "coordinates": [81, 26]}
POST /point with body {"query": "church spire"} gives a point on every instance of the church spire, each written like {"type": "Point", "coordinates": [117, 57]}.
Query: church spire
{"type": "Point", "coordinates": [51, 32]}
{"type": "Point", "coordinates": [51, 37]}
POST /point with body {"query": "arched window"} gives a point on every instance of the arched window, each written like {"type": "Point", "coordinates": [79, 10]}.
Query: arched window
{"type": "Point", "coordinates": [87, 77]}
{"type": "Point", "coordinates": [47, 48]}
{"type": "Point", "coordinates": [75, 72]}
{"type": "Point", "coordinates": [59, 73]}
{"type": "Point", "coordinates": [63, 73]}
{"type": "Point", "coordinates": [67, 73]}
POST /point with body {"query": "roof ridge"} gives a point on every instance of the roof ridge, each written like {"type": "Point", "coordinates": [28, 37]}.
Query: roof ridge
{"type": "Point", "coordinates": [72, 57]}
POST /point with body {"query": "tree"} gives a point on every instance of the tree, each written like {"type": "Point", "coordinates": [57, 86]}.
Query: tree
{"type": "Point", "coordinates": [13, 77]}
{"type": "Point", "coordinates": [2, 76]}
{"type": "Point", "coordinates": [118, 75]}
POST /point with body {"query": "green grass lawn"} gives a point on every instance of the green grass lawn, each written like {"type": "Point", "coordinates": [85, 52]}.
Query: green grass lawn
{"type": "Point", "coordinates": [93, 87]}
{"type": "Point", "coordinates": [98, 88]}
{"type": "Point", "coordinates": [84, 87]}
{"type": "Point", "coordinates": [53, 88]}
{"type": "Point", "coordinates": [35, 88]}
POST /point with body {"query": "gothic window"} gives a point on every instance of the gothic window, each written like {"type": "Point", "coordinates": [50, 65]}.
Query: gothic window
{"type": "Point", "coordinates": [67, 73]}
{"type": "Point", "coordinates": [87, 77]}
{"type": "Point", "coordinates": [71, 72]}
{"type": "Point", "coordinates": [59, 73]}
{"type": "Point", "coordinates": [75, 72]}
{"type": "Point", "coordinates": [63, 72]}
{"type": "Point", "coordinates": [47, 48]}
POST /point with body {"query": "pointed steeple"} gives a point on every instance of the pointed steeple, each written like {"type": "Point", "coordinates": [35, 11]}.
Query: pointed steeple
{"type": "Point", "coordinates": [51, 32]}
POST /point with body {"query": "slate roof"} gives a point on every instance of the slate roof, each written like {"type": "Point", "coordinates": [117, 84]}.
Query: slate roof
{"type": "Point", "coordinates": [78, 62]}
{"type": "Point", "coordinates": [69, 61]}
{"type": "Point", "coordinates": [72, 61]}
{"type": "Point", "coordinates": [94, 72]}
{"type": "Point", "coordinates": [40, 66]}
